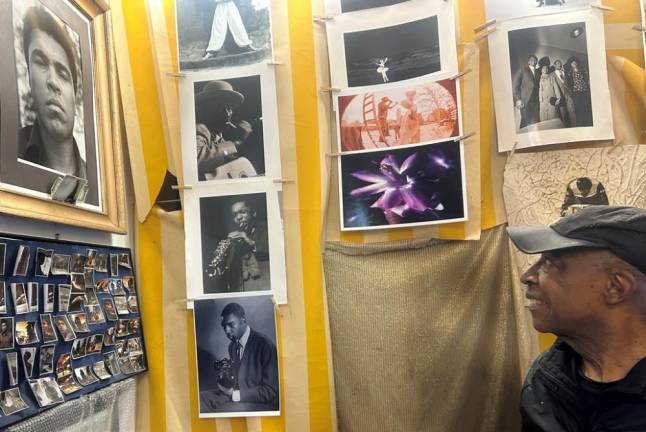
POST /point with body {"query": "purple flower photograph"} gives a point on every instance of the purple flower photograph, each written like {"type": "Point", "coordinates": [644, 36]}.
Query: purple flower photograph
{"type": "Point", "coordinates": [419, 185]}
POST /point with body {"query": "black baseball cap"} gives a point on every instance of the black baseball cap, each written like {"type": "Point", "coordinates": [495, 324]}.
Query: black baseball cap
{"type": "Point", "coordinates": [621, 230]}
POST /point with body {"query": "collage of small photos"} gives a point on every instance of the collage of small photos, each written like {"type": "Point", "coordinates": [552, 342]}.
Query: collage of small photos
{"type": "Point", "coordinates": [69, 323]}
{"type": "Point", "coordinates": [396, 97]}
{"type": "Point", "coordinates": [235, 258]}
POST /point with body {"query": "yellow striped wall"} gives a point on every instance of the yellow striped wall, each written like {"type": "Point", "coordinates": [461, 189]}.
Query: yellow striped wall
{"type": "Point", "coordinates": [144, 34]}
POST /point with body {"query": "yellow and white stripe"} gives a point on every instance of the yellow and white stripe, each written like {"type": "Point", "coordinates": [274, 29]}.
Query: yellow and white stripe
{"type": "Point", "coordinates": [144, 34]}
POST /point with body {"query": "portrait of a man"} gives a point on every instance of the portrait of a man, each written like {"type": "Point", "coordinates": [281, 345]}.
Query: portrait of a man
{"type": "Point", "coordinates": [50, 54]}
{"type": "Point", "coordinates": [235, 252]}
{"type": "Point", "coordinates": [49, 97]}
{"type": "Point", "coordinates": [238, 364]}
{"type": "Point", "coordinates": [228, 127]}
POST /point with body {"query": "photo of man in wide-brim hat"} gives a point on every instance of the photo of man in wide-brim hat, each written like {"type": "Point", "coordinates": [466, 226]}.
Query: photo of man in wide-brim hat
{"type": "Point", "coordinates": [217, 137]}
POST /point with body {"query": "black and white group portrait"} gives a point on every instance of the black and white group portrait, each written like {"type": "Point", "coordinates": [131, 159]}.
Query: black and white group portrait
{"type": "Point", "coordinates": [235, 243]}
{"type": "Point", "coordinates": [550, 78]}
{"type": "Point", "coordinates": [48, 97]}
{"type": "Point", "coordinates": [237, 359]}
{"type": "Point", "coordinates": [222, 33]}
{"type": "Point", "coordinates": [228, 127]}
{"type": "Point", "coordinates": [394, 53]}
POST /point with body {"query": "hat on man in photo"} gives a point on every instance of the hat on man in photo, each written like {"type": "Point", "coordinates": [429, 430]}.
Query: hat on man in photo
{"type": "Point", "coordinates": [621, 230]}
{"type": "Point", "coordinates": [220, 92]}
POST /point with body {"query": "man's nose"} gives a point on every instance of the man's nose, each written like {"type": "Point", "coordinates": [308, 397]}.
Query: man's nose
{"type": "Point", "coordinates": [531, 274]}
{"type": "Point", "coordinates": [52, 80]}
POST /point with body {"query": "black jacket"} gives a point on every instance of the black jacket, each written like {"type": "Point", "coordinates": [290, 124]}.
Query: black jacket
{"type": "Point", "coordinates": [556, 397]}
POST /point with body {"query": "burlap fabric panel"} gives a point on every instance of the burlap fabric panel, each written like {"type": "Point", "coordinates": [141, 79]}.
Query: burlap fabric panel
{"type": "Point", "coordinates": [427, 335]}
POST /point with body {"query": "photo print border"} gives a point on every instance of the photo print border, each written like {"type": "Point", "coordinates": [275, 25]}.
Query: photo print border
{"type": "Point", "coordinates": [502, 83]}
{"type": "Point", "coordinates": [33, 200]}
{"type": "Point", "coordinates": [407, 12]}
{"type": "Point", "coordinates": [382, 188]}
{"type": "Point", "coordinates": [371, 130]}
{"type": "Point", "coordinates": [192, 225]}
{"type": "Point", "coordinates": [270, 130]}
{"type": "Point", "coordinates": [202, 21]}
{"type": "Point", "coordinates": [259, 309]}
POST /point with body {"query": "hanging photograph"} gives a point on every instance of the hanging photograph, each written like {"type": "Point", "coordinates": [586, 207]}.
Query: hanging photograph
{"type": "Point", "coordinates": [333, 7]}
{"type": "Point", "coordinates": [55, 145]}
{"type": "Point", "coordinates": [236, 240]}
{"type": "Point", "coordinates": [418, 185]}
{"type": "Point", "coordinates": [43, 262]}
{"type": "Point", "coordinates": [550, 82]}
{"type": "Point", "coordinates": [237, 359]}
{"type": "Point", "coordinates": [415, 39]}
{"type": "Point", "coordinates": [235, 249]}
{"type": "Point", "coordinates": [398, 115]}
{"type": "Point", "coordinates": [541, 187]}
{"type": "Point", "coordinates": [219, 34]}
{"type": "Point", "coordinates": [505, 9]}
{"type": "Point", "coordinates": [229, 125]}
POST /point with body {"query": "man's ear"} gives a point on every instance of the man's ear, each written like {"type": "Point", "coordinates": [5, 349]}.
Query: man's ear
{"type": "Point", "coordinates": [621, 285]}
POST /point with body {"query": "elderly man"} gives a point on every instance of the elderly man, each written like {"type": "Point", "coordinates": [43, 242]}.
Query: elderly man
{"type": "Point", "coordinates": [589, 289]}
{"type": "Point", "coordinates": [53, 80]}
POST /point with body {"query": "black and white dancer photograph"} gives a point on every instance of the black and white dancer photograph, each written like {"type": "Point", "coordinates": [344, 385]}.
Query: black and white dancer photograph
{"type": "Point", "coordinates": [237, 358]}
{"type": "Point", "coordinates": [555, 86]}
{"type": "Point", "coordinates": [222, 33]}
{"type": "Point", "coordinates": [412, 40]}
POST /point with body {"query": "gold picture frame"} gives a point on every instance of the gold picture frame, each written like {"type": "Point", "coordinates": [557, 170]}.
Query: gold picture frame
{"type": "Point", "coordinates": [108, 214]}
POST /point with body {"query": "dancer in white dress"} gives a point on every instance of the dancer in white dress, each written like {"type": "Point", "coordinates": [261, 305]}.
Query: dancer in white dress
{"type": "Point", "coordinates": [383, 69]}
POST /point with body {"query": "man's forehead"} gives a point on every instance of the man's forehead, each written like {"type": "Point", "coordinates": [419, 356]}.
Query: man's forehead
{"type": "Point", "coordinates": [49, 46]}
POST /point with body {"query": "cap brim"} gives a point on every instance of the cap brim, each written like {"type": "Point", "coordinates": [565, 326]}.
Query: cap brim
{"type": "Point", "coordinates": [537, 239]}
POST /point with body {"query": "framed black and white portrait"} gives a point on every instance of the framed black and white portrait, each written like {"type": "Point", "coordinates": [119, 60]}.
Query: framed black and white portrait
{"type": "Point", "coordinates": [235, 238]}
{"type": "Point", "coordinates": [229, 125]}
{"type": "Point", "coordinates": [57, 116]}
{"type": "Point", "coordinates": [237, 358]}
{"type": "Point", "coordinates": [550, 80]}
{"type": "Point", "coordinates": [214, 34]}
{"type": "Point", "coordinates": [414, 39]}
